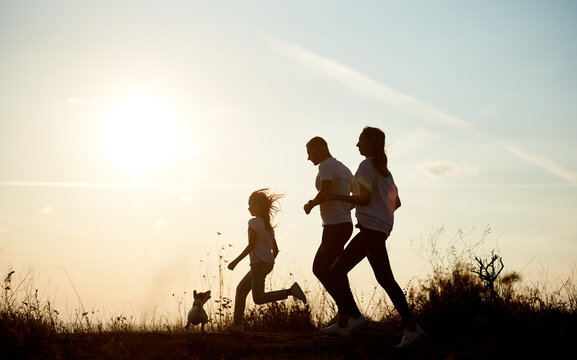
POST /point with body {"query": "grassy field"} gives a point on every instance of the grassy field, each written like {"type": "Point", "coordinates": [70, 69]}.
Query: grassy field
{"type": "Point", "coordinates": [469, 308]}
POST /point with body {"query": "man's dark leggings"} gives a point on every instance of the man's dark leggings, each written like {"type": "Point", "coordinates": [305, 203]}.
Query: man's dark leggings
{"type": "Point", "coordinates": [371, 244]}
{"type": "Point", "coordinates": [333, 241]}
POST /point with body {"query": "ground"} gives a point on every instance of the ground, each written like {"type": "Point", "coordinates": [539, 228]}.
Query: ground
{"type": "Point", "coordinates": [373, 342]}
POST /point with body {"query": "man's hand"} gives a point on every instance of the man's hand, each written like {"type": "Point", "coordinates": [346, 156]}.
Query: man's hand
{"type": "Point", "coordinates": [308, 207]}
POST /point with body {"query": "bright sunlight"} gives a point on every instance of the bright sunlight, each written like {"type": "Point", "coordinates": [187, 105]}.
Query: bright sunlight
{"type": "Point", "coordinates": [142, 132]}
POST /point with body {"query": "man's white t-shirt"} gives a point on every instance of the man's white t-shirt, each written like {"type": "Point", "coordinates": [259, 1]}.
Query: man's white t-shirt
{"type": "Point", "coordinates": [335, 212]}
{"type": "Point", "coordinates": [378, 213]}
{"type": "Point", "coordinates": [264, 239]}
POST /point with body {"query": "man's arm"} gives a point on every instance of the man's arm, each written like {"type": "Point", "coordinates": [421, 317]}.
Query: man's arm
{"type": "Point", "coordinates": [326, 187]}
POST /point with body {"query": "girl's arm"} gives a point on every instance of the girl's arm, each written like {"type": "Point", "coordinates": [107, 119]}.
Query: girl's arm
{"type": "Point", "coordinates": [362, 198]}
{"type": "Point", "coordinates": [247, 250]}
{"type": "Point", "coordinates": [326, 187]}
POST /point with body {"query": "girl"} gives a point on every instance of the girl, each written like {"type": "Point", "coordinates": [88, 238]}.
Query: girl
{"type": "Point", "coordinates": [263, 249]}
{"type": "Point", "coordinates": [375, 196]}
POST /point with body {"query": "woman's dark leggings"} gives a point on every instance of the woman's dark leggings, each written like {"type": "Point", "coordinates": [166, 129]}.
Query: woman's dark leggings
{"type": "Point", "coordinates": [369, 243]}
{"type": "Point", "coordinates": [333, 241]}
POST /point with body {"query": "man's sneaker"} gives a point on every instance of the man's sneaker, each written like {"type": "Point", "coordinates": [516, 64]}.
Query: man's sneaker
{"type": "Point", "coordinates": [410, 337]}
{"type": "Point", "coordinates": [357, 323]}
{"type": "Point", "coordinates": [335, 329]}
{"type": "Point", "coordinates": [234, 328]}
{"type": "Point", "coordinates": [298, 293]}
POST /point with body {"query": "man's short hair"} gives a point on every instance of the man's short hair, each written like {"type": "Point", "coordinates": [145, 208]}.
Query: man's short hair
{"type": "Point", "coordinates": [317, 141]}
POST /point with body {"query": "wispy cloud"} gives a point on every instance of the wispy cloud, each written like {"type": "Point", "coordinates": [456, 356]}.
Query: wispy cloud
{"type": "Point", "coordinates": [546, 164]}
{"type": "Point", "coordinates": [402, 102]}
{"type": "Point", "coordinates": [77, 185]}
{"type": "Point", "coordinates": [367, 86]}
{"type": "Point", "coordinates": [438, 169]}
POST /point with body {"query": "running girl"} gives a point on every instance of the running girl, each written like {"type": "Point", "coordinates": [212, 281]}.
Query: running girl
{"type": "Point", "coordinates": [263, 249]}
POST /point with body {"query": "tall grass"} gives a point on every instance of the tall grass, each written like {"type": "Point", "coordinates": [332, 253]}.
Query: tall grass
{"type": "Point", "coordinates": [464, 290]}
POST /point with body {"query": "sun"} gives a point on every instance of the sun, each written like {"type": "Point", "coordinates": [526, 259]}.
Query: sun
{"type": "Point", "coordinates": [142, 132]}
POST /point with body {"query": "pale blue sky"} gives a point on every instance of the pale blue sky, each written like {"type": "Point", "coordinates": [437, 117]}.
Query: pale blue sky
{"type": "Point", "coordinates": [478, 101]}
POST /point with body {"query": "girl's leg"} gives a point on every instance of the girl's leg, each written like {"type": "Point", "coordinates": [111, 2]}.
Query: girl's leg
{"type": "Point", "coordinates": [242, 290]}
{"type": "Point", "coordinates": [333, 240]}
{"type": "Point", "coordinates": [379, 259]}
{"type": "Point", "coordinates": [349, 258]}
{"type": "Point", "coordinates": [258, 272]}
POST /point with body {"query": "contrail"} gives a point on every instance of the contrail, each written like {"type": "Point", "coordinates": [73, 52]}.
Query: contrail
{"type": "Point", "coordinates": [367, 86]}
{"type": "Point", "coordinates": [402, 102]}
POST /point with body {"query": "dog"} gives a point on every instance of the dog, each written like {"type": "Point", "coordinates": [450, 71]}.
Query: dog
{"type": "Point", "coordinates": [197, 315]}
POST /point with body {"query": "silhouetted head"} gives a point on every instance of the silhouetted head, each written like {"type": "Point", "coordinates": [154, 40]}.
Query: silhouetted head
{"type": "Point", "coordinates": [317, 150]}
{"type": "Point", "coordinates": [263, 204]}
{"type": "Point", "coordinates": [372, 144]}
{"type": "Point", "coordinates": [200, 297]}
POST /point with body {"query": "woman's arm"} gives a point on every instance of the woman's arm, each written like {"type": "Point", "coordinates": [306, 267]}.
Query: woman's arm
{"type": "Point", "coordinates": [247, 250]}
{"type": "Point", "coordinates": [362, 198]}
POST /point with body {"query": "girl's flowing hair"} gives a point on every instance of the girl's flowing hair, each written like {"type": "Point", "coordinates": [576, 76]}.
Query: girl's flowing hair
{"type": "Point", "coordinates": [266, 205]}
{"type": "Point", "coordinates": [376, 137]}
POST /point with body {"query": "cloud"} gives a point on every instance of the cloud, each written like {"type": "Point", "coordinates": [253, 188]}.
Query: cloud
{"type": "Point", "coordinates": [367, 86]}
{"type": "Point", "coordinates": [76, 185]}
{"type": "Point", "coordinates": [546, 164]}
{"type": "Point", "coordinates": [438, 169]}
{"type": "Point", "coordinates": [402, 102]}
{"type": "Point", "coordinates": [48, 210]}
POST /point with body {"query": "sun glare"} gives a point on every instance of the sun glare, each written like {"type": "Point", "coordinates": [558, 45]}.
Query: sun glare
{"type": "Point", "coordinates": [142, 132]}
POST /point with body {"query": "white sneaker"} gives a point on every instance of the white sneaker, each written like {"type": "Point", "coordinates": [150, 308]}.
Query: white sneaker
{"type": "Point", "coordinates": [298, 293]}
{"type": "Point", "coordinates": [335, 329]}
{"type": "Point", "coordinates": [234, 328]}
{"type": "Point", "coordinates": [410, 337]}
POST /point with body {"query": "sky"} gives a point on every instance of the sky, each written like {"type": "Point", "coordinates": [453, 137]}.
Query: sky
{"type": "Point", "coordinates": [133, 132]}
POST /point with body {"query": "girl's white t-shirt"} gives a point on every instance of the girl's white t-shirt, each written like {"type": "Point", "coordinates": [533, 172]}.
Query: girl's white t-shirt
{"type": "Point", "coordinates": [378, 213]}
{"type": "Point", "coordinates": [264, 239]}
{"type": "Point", "coordinates": [335, 212]}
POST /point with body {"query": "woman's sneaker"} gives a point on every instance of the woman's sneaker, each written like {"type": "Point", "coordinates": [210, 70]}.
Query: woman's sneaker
{"type": "Point", "coordinates": [298, 293]}
{"type": "Point", "coordinates": [410, 337]}
{"type": "Point", "coordinates": [335, 329]}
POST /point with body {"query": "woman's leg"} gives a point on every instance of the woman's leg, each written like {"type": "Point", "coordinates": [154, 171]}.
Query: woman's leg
{"type": "Point", "coordinates": [349, 258]}
{"type": "Point", "coordinates": [379, 259]}
{"type": "Point", "coordinates": [242, 290]}
{"type": "Point", "coordinates": [258, 272]}
{"type": "Point", "coordinates": [333, 241]}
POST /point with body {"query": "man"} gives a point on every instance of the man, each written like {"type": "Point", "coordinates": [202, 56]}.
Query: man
{"type": "Point", "coordinates": [333, 177]}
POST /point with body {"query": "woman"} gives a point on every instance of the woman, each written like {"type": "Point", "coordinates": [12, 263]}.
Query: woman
{"type": "Point", "coordinates": [375, 197]}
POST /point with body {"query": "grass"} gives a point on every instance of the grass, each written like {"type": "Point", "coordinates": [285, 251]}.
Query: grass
{"type": "Point", "coordinates": [468, 305]}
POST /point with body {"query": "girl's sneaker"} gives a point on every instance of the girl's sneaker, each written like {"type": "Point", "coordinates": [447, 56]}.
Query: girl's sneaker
{"type": "Point", "coordinates": [234, 328]}
{"type": "Point", "coordinates": [410, 337]}
{"type": "Point", "coordinates": [298, 293]}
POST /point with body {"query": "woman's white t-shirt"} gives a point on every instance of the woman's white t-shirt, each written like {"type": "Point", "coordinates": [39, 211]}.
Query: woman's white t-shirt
{"type": "Point", "coordinates": [264, 239]}
{"type": "Point", "coordinates": [335, 212]}
{"type": "Point", "coordinates": [378, 213]}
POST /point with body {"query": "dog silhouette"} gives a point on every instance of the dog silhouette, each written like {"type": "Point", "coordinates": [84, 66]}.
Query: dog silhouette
{"type": "Point", "coordinates": [197, 315]}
